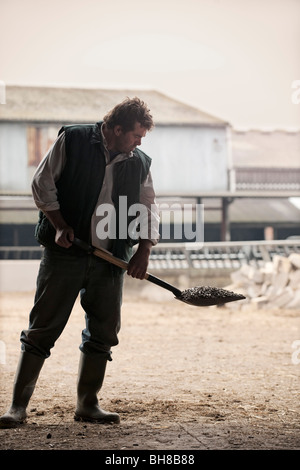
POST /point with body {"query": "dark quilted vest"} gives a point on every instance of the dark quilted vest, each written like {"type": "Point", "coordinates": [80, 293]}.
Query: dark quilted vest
{"type": "Point", "coordinates": [80, 183]}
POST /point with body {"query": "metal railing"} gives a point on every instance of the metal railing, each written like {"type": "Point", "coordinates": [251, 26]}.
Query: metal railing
{"type": "Point", "coordinates": [185, 256]}
{"type": "Point", "coordinates": [20, 252]}
{"type": "Point", "coordinates": [219, 255]}
{"type": "Point", "coordinates": [267, 178]}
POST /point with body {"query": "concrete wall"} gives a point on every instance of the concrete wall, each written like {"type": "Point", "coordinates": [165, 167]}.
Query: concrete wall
{"type": "Point", "coordinates": [18, 275]}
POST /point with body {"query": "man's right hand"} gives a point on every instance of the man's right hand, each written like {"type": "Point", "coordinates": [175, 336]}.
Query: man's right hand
{"type": "Point", "coordinates": [64, 233]}
{"type": "Point", "coordinates": [64, 237]}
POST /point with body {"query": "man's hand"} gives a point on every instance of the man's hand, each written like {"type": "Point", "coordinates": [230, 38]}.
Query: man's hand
{"type": "Point", "coordinates": [64, 237]}
{"type": "Point", "coordinates": [137, 266]}
{"type": "Point", "coordinates": [64, 233]}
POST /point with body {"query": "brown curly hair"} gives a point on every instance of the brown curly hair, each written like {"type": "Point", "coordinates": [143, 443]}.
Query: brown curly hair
{"type": "Point", "coordinates": [127, 113]}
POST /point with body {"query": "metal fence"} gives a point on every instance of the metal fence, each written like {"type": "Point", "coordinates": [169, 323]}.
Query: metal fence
{"type": "Point", "coordinates": [219, 255]}
{"type": "Point", "coordinates": [185, 256]}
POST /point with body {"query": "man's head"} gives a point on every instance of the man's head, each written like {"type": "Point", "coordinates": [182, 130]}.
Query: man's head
{"type": "Point", "coordinates": [126, 124]}
{"type": "Point", "coordinates": [127, 114]}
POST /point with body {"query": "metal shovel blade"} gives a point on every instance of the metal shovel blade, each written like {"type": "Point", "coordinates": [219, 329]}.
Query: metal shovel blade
{"type": "Point", "coordinates": [204, 296]}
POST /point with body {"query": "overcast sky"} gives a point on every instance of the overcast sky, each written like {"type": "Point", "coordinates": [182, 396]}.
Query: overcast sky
{"type": "Point", "coordinates": [235, 59]}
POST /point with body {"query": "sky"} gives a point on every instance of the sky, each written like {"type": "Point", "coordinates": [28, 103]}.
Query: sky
{"type": "Point", "coordinates": [235, 59]}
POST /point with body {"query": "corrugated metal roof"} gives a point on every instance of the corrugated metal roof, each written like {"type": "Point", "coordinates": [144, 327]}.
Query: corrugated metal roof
{"type": "Point", "coordinates": [258, 148]}
{"type": "Point", "coordinates": [59, 104]}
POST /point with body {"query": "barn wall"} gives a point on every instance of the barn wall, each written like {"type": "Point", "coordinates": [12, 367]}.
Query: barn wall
{"type": "Point", "coordinates": [13, 157]}
{"type": "Point", "coordinates": [188, 160]}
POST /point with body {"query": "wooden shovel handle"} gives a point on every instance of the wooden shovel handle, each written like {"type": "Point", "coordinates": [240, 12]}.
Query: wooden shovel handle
{"type": "Point", "coordinates": [107, 256]}
{"type": "Point", "coordinates": [101, 253]}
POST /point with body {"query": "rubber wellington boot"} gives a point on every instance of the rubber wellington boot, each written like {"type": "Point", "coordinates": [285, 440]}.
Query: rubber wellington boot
{"type": "Point", "coordinates": [26, 377]}
{"type": "Point", "coordinates": [90, 379]}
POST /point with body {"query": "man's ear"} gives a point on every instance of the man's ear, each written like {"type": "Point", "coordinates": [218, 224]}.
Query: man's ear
{"type": "Point", "coordinates": [118, 130]}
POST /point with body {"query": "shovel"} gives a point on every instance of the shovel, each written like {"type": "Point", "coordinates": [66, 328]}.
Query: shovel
{"type": "Point", "coordinates": [198, 296]}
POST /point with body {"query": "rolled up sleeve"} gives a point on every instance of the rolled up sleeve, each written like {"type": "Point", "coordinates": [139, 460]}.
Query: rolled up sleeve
{"type": "Point", "coordinates": [147, 198]}
{"type": "Point", "coordinates": [43, 185]}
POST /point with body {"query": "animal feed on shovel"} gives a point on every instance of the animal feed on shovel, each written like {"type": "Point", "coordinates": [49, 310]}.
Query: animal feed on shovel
{"type": "Point", "coordinates": [206, 295]}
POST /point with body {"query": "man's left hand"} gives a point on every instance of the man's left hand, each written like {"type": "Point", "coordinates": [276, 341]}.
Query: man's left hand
{"type": "Point", "coordinates": [137, 266]}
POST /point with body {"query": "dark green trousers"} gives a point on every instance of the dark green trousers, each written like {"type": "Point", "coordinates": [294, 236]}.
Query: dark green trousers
{"type": "Point", "coordinates": [61, 278]}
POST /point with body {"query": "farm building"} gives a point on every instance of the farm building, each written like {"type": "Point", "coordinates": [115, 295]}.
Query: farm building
{"type": "Point", "coordinates": [31, 117]}
{"type": "Point", "coordinates": [243, 179]}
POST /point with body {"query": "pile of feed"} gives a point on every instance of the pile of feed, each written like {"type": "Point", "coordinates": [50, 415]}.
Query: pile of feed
{"type": "Point", "coordinates": [206, 295]}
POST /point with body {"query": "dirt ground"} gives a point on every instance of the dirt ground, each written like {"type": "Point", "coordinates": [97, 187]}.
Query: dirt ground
{"type": "Point", "coordinates": [182, 378]}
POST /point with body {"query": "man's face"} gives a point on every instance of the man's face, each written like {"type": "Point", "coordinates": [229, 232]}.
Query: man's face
{"type": "Point", "coordinates": [126, 142]}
